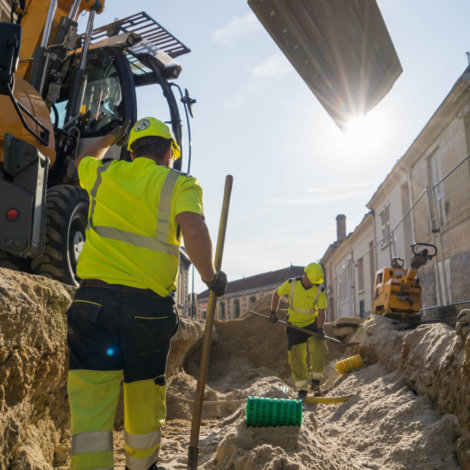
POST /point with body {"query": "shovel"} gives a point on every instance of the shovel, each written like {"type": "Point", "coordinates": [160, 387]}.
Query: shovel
{"type": "Point", "coordinates": [193, 450]}
{"type": "Point", "coordinates": [303, 330]}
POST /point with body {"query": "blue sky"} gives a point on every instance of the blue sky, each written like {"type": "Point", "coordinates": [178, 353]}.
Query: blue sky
{"type": "Point", "coordinates": [255, 119]}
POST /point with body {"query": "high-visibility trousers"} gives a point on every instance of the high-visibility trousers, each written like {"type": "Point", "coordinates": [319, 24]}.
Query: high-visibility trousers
{"type": "Point", "coordinates": [114, 334]}
{"type": "Point", "coordinates": [299, 346]}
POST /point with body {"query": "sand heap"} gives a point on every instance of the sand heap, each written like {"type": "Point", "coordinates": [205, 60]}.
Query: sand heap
{"type": "Point", "coordinates": [34, 413]}
{"type": "Point", "coordinates": [409, 405]}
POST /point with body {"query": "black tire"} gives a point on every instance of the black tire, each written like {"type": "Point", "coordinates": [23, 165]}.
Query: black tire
{"type": "Point", "coordinates": [66, 221]}
{"type": "Point", "coordinates": [7, 260]}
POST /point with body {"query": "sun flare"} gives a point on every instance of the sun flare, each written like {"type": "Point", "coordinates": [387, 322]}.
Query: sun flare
{"type": "Point", "coordinates": [364, 133]}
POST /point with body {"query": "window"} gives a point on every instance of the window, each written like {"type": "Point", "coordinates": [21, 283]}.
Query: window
{"type": "Point", "coordinates": [236, 305]}
{"type": "Point", "coordinates": [222, 310]}
{"type": "Point", "coordinates": [385, 225]}
{"type": "Point", "coordinates": [252, 300]}
{"type": "Point", "coordinates": [434, 172]}
{"type": "Point", "coordinates": [371, 264]}
{"type": "Point", "coordinates": [362, 309]}
{"type": "Point", "coordinates": [360, 274]}
{"type": "Point", "coordinates": [102, 106]}
{"type": "Point", "coordinates": [379, 278]}
{"type": "Point", "coordinates": [344, 284]}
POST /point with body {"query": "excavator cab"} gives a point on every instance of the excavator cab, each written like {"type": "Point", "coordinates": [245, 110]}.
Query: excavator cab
{"type": "Point", "coordinates": [72, 101]}
{"type": "Point", "coordinates": [397, 291]}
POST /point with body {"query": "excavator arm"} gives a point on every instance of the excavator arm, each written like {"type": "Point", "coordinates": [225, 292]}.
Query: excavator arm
{"type": "Point", "coordinates": [340, 48]}
{"type": "Point", "coordinates": [41, 19]}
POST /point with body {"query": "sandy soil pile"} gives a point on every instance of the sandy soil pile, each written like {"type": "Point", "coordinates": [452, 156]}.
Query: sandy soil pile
{"type": "Point", "coordinates": [409, 405]}
{"type": "Point", "coordinates": [385, 425]}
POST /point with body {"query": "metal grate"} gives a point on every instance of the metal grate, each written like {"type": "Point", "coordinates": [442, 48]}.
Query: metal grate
{"type": "Point", "coordinates": [146, 27]}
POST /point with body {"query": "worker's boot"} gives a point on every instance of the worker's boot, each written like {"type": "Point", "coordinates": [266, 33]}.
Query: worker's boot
{"type": "Point", "coordinates": [301, 395]}
{"type": "Point", "coordinates": [315, 385]}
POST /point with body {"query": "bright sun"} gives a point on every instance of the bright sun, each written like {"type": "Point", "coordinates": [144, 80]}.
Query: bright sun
{"type": "Point", "coordinates": [364, 133]}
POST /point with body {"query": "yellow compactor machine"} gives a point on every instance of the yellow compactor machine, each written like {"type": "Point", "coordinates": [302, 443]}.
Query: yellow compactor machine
{"type": "Point", "coordinates": [397, 291]}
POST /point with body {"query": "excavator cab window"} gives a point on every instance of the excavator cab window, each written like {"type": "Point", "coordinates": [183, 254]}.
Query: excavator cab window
{"type": "Point", "coordinates": [143, 75]}
{"type": "Point", "coordinates": [103, 106]}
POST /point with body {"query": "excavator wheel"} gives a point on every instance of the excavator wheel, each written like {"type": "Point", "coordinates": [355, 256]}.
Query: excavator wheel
{"type": "Point", "coordinates": [66, 221]}
{"type": "Point", "coordinates": [7, 260]}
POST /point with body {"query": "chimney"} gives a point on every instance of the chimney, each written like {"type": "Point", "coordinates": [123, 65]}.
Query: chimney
{"type": "Point", "coordinates": [340, 227]}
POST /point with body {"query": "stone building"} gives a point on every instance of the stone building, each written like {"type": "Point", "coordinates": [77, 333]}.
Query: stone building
{"type": "Point", "coordinates": [243, 293]}
{"type": "Point", "coordinates": [424, 199]}
{"type": "Point", "coordinates": [349, 266]}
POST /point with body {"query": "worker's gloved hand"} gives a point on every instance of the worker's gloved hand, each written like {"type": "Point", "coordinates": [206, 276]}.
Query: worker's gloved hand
{"type": "Point", "coordinates": [273, 318]}
{"type": "Point", "coordinates": [219, 283]}
{"type": "Point", "coordinates": [120, 133]}
{"type": "Point", "coordinates": [321, 333]}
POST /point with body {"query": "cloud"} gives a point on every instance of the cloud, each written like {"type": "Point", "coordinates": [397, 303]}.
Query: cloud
{"type": "Point", "coordinates": [236, 28]}
{"type": "Point", "coordinates": [272, 67]}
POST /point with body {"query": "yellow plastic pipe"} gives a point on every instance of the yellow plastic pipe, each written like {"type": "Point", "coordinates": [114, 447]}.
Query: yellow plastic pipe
{"type": "Point", "coordinates": [327, 400]}
{"type": "Point", "coordinates": [349, 364]}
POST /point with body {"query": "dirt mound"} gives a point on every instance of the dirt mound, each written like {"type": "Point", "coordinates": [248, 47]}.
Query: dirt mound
{"type": "Point", "coordinates": [385, 423]}
{"type": "Point", "coordinates": [409, 405]}
{"type": "Point", "coordinates": [34, 413]}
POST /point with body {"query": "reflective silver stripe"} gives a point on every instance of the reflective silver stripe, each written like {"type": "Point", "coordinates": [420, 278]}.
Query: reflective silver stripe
{"type": "Point", "coordinates": [94, 190]}
{"type": "Point", "coordinates": [136, 239]}
{"type": "Point", "coordinates": [301, 383]}
{"type": "Point", "coordinates": [142, 441]}
{"type": "Point", "coordinates": [317, 375]}
{"type": "Point", "coordinates": [134, 463]}
{"type": "Point", "coordinates": [164, 207]}
{"type": "Point", "coordinates": [299, 310]}
{"type": "Point", "coordinates": [94, 441]}
{"type": "Point", "coordinates": [160, 242]}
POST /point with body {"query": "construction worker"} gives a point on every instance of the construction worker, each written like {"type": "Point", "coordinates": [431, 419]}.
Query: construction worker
{"type": "Point", "coordinates": [122, 318]}
{"type": "Point", "coordinates": [307, 304]}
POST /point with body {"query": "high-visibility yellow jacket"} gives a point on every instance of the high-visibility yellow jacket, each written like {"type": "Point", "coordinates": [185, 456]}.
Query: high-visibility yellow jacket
{"type": "Point", "coordinates": [303, 302]}
{"type": "Point", "coordinates": [132, 236]}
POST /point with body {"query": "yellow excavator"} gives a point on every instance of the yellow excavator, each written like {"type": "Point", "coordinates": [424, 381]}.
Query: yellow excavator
{"type": "Point", "coordinates": [397, 291]}
{"type": "Point", "coordinates": [58, 90]}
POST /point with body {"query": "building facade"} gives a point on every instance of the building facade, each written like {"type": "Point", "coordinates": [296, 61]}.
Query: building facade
{"type": "Point", "coordinates": [424, 199]}
{"type": "Point", "coordinates": [241, 294]}
{"type": "Point", "coordinates": [349, 266]}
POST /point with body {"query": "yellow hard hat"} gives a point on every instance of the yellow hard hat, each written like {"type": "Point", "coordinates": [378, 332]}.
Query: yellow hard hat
{"type": "Point", "coordinates": [314, 273]}
{"type": "Point", "coordinates": [151, 127]}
